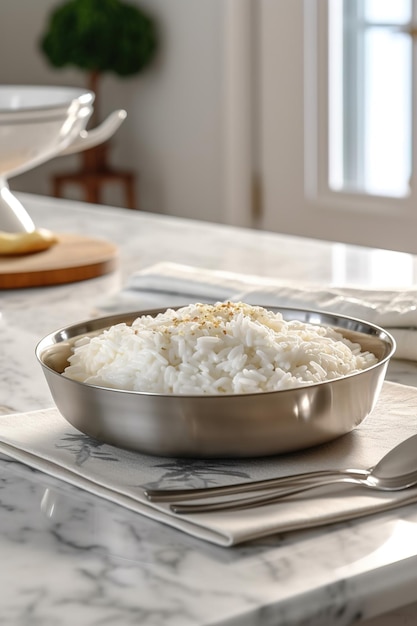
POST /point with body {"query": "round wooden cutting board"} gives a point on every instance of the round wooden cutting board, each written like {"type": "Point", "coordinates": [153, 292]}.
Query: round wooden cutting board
{"type": "Point", "coordinates": [73, 258]}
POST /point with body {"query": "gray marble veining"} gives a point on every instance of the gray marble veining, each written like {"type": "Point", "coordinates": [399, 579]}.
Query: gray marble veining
{"type": "Point", "coordinates": [69, 557]}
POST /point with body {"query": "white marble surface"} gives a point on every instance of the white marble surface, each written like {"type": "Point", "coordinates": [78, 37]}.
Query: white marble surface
{"type": "Point", "coordinates": [68, 557]}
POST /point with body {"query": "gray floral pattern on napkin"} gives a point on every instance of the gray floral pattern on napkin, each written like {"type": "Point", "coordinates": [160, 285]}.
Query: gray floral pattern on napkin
{"type": "Point", "coordinates": [165, 473]}
{"type": "Point", "coordinates": [85, 448]}
{"type": "Point", "coordinates": [192, 473]}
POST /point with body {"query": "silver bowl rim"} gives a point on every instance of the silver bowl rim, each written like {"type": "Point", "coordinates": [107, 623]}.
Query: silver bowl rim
{"type": "Point", "coordinates": [377, 331]}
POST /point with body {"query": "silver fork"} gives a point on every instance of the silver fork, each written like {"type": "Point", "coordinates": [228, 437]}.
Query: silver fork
{"type": "Point", "coordinates": [183, 495]}
{"type": "Point", "coordinates": [395, 484]}
{"type": "Point", "coordinates": [396, 470]}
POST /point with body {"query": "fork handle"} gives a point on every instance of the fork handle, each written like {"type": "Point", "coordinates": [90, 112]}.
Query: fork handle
{"type": "Point", "coordinates": [264, 499]}
{"type": "Point", "coordinates": [184, 495]}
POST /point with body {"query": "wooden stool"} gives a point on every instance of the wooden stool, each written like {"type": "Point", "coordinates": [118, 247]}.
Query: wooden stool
{"type": "Point", "coordinates": [95, 173]}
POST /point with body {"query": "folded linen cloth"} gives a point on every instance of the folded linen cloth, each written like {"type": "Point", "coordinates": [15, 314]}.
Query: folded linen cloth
{"type": "Point", "coordinates": [45, 441]}
{"type": "Point", "coordinates": [170, 284]}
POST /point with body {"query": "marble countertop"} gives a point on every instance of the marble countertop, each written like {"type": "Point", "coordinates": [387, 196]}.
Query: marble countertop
{"type": "Point", "coordinates": [69, 557]}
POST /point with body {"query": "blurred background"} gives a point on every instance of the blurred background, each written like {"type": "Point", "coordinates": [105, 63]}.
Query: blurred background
{"type": "Point", "coordinates": [295, 116]}
{"type": "Point", "coordinates": [172, 137]}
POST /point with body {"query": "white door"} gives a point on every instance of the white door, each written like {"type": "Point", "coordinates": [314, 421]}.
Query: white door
{"type": "Point", "coordinates": [337, 129]}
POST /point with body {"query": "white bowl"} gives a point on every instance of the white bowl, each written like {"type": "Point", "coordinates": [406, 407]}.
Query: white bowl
{"type": "Point", "coordinates": [38, 123]}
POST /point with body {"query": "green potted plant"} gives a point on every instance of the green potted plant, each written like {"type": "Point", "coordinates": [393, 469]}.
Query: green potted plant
{"type": "Point", "coordinates": [98, 37]}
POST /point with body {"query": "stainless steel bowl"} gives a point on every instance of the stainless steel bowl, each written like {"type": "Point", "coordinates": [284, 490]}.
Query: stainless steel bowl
{"type": "Point", "coordinates": [228, 426]}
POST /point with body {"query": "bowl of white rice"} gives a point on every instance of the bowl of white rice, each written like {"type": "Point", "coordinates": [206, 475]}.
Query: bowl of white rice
{"type": "Point", "coordinates": [223, 380]}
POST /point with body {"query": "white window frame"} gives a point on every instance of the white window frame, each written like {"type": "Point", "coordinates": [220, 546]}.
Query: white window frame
{"type": "Point", "coordinates": [316, 86]}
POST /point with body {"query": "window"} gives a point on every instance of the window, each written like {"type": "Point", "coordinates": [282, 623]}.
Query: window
{"type": "Point", "coordinates": [370, 101]}
{"type": "Point", "coordinates": [338, 111]}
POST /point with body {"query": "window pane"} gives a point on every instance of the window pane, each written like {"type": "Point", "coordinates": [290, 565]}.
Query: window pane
{"type": "Point", "coordinates": [370, 117]}
{"type": "Point", "coordinates": [336, 173]}
{"type": "Point", "coordinates": [387, 11]}
{"type": "Point", "coordinates": [387, 123]}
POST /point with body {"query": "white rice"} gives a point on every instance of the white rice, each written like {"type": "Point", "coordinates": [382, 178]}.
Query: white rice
{"type": "Point", "coordinates": [226, 348]}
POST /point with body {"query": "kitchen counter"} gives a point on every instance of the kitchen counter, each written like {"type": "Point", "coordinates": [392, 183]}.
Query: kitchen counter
{"type": "Point", "coordinates": [69, 557]}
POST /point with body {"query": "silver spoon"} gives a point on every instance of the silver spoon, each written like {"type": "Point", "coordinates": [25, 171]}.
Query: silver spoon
{"type": "Point", "coordinates": [397, 470]}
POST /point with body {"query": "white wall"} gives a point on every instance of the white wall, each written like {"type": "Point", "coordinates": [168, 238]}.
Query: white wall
{"type": "Point", "coordinates": [174, 135]}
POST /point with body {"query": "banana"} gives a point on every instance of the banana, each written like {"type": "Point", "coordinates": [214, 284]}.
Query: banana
{"type": "Point", "coordinates": [26, 243]}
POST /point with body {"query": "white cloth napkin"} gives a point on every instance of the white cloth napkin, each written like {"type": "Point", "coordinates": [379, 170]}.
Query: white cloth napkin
{"type": "Point", "coordinates": [171, 284]}
{"type": "Point", "coordinates": [45, 441]}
